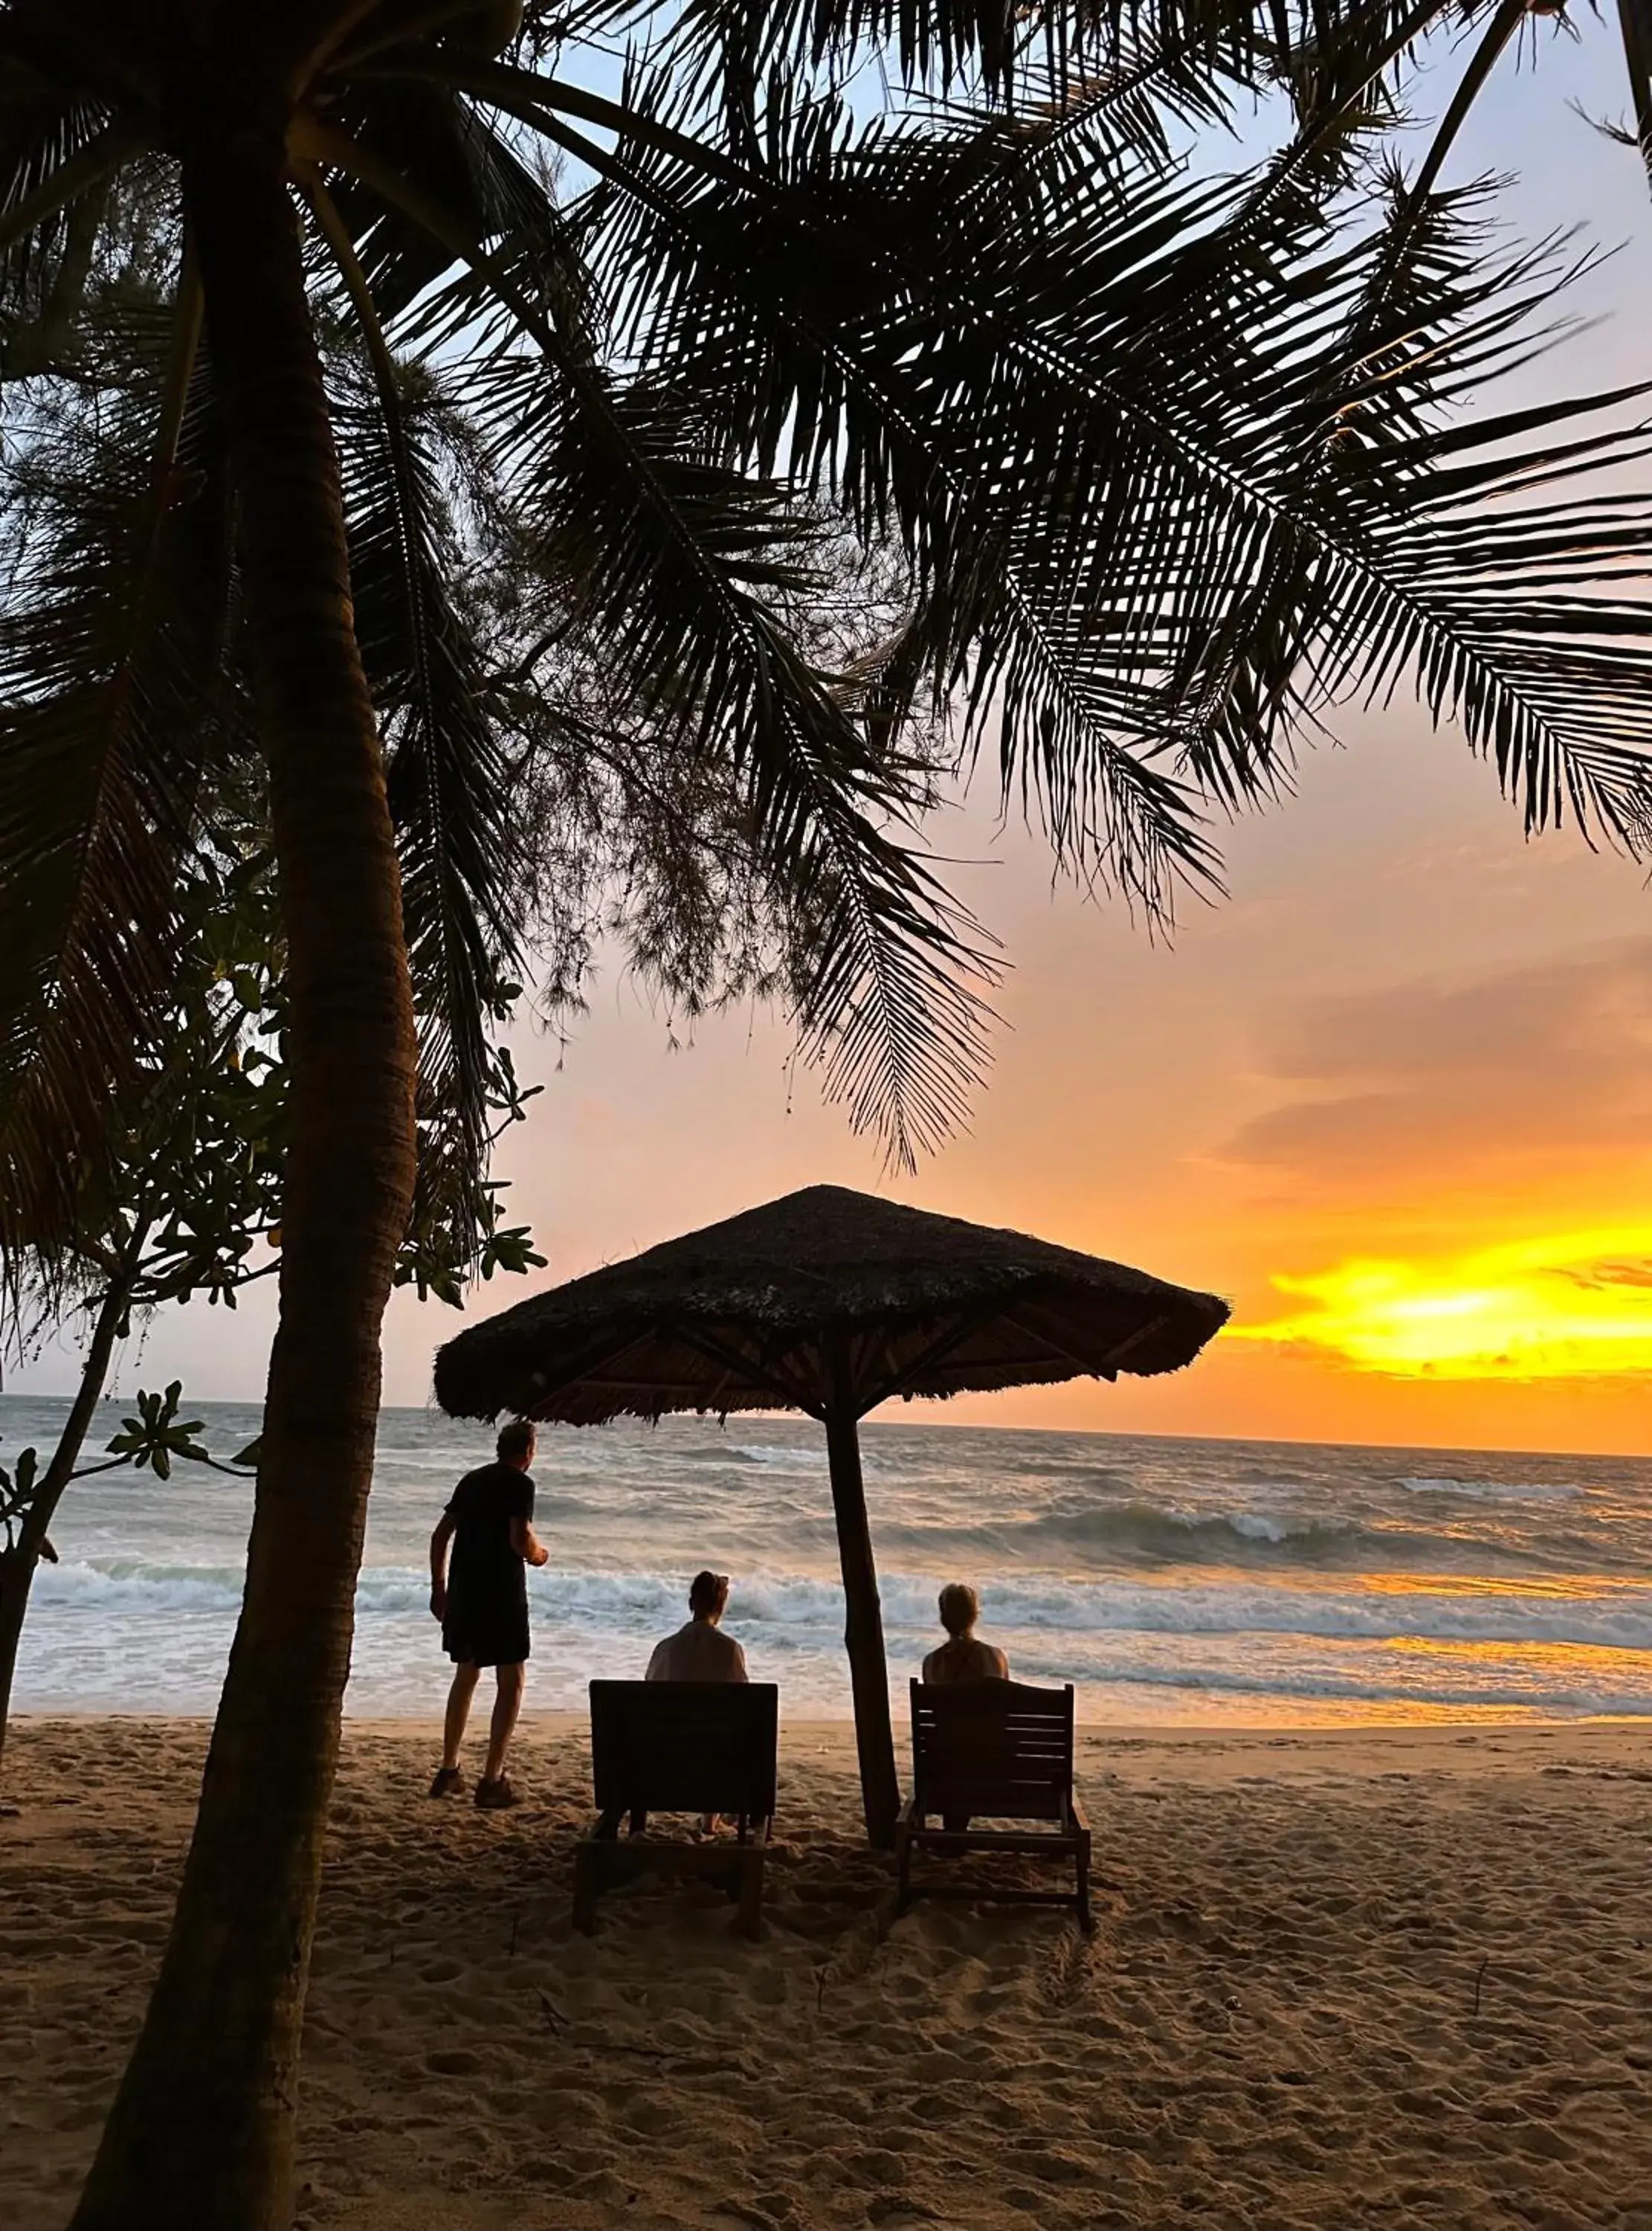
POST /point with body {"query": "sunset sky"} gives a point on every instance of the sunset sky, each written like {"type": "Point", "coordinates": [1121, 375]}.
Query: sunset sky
{"type": "Point", "coordinates": [1394, 1098]}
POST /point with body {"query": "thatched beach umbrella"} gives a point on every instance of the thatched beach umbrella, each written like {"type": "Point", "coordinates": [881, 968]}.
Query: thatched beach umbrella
{"type": "Point", "coordinates": [828, 1302]}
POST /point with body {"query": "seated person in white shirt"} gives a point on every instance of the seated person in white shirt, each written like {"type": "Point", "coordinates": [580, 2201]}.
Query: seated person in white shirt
{"type": "Point", "coordinates": [700, 1650]}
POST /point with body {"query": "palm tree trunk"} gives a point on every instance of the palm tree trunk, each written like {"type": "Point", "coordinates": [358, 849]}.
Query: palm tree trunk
{"type": "Point", "coordinates": [17, 1578]}
{"type": "Point", "coordinates": [201, 2135]}
{"type": "Point", "coordinates": [17, 1570]}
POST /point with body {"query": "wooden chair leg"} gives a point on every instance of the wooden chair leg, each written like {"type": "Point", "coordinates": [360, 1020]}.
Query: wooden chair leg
{"type": "Point", "coordinates": [588, 1866]}
{"type": "Point", "coordinates": [1085, 1920]}
{"type": "Point", "coordinates": [639, 1822]}
{"type": "Point", "coordinates": [750, 1914]}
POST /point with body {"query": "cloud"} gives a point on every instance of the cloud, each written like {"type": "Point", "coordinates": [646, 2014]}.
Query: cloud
{"type": "Point", "coordinates": [1601, 1278]}
{"type": "Point", "coordinates": [1553, 1306]}
{"type": "Point", "coordinates": [1526, 1070]}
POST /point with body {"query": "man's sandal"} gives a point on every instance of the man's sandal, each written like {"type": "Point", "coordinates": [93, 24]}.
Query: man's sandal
{"type": "Point", "coordinates": [495, 1796]}
{"type": "Point", "coordinates": [448, 1783]}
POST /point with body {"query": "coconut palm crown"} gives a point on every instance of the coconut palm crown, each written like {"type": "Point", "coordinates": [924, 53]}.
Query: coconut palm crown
{"type": "Point", "coordinates": [1164, 466]}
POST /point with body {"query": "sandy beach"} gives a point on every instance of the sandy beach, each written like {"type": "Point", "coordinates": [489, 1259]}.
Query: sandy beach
{"type": "Point", "coordinates": [1342, 1979]}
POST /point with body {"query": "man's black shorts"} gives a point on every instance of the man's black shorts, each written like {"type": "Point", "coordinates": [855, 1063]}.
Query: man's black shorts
{"type": "Point", "coordinates": [486, 1633]}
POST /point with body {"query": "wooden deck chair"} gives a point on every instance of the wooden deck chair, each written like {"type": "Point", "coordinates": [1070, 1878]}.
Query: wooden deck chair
{"type": "Point", "coordinates": [679, 1747]}
{"type": "Point", "coordinates": [993, 1751]}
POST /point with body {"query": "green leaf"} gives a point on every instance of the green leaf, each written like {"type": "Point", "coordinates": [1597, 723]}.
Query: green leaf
{"type": "Point", "coordinates": [151, 1440]}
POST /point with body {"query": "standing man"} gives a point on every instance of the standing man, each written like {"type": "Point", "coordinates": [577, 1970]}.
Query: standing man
{"type": "Point", "coordinates": [482, 1604]}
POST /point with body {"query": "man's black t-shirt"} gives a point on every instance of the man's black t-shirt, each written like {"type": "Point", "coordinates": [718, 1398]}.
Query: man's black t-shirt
{"type": "Point", "coordinates": [486, 1571]}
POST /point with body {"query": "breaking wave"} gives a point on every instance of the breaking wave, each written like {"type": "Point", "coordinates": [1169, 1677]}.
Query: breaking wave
{"type": "Point", "coordinates": [810, 1610]}
{"type": "Point", "coordinates": [1169, 1580]}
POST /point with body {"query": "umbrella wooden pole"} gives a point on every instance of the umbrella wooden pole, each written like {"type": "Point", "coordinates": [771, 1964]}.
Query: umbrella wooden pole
{"type": "Point", "coordinates": [863, 1630]}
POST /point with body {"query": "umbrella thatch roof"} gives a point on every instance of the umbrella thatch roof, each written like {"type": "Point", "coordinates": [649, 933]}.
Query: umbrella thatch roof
{"type": "Point", "coordinates": [825, 1288]}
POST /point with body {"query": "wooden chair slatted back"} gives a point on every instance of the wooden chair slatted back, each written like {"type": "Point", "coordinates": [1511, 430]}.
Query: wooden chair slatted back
{"type": "Point", "coordinates": [996, 1749]}
{"type": "Point", "coordinates": [686, 1746]}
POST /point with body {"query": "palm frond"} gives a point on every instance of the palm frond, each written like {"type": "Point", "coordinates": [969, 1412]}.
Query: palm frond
{"type": "Point", "coordinates": [684, 571]}
{"type": "Point", "coordinates": [1164, 467]}
{"type": "Point", "coordinates": [685, 566]}
{"type": "Point", "coordinates": [450, 776]}
{"type": "Point", "coordinates": [726, 56]}
{"type": "Point", "coordinates": [1108, 450]}
{"type": "Point", "coordinates": [48, 166]}
{"type": "Point", "coordinates": [118, 607]}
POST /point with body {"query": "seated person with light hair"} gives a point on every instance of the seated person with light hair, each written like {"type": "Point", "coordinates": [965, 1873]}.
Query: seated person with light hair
{"type": "Point", "coordinates": [963, 1655]}
{"type": "Point", "coordinates": [700, 1650]}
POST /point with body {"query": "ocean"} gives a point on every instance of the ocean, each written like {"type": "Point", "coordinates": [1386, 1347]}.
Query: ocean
{"type": "Point", "coordinates": [1190, 1582]}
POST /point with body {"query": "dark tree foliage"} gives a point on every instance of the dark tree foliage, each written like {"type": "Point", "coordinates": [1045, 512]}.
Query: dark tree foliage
{"type": "Point", "coordinates": [1140, 472]}
{"type": "Point", "coordinates": [185, 1202]}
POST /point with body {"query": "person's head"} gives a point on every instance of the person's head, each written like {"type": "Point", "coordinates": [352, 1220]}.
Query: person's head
{"type": "Point", "coordinates": [708, 1596]}
{"type": "Point", "coordinates": [960, 1609]}
{"type": "Point", "coordinates": [517, 1443]}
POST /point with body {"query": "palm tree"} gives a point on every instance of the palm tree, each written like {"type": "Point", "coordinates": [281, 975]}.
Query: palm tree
{"type": "Point", "coordinates": [1165, 465]}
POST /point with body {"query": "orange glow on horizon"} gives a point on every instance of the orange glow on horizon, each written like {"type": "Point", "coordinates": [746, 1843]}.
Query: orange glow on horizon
{"type": "Point", "coordinates": [1569, 1306]}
